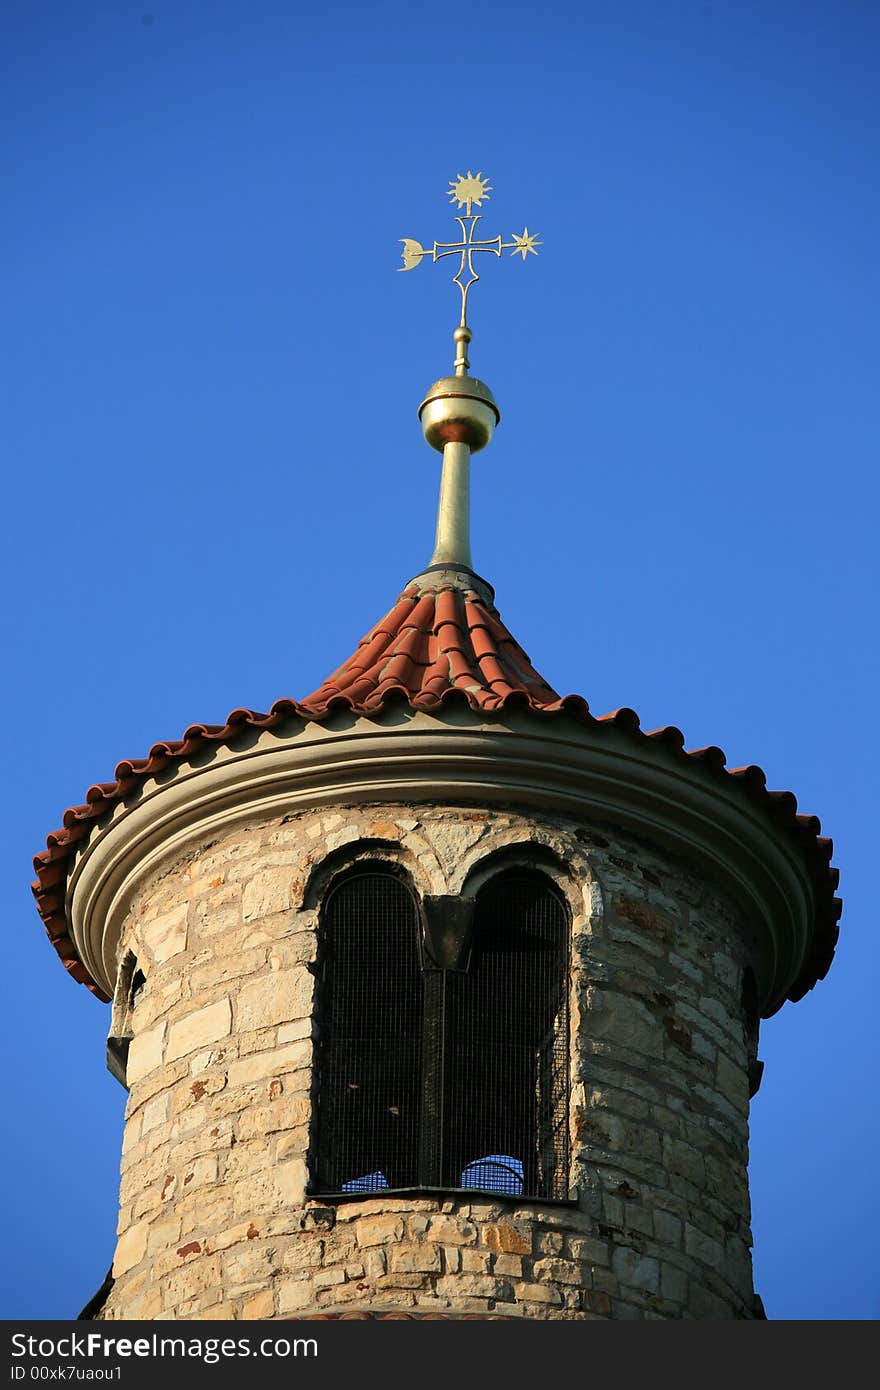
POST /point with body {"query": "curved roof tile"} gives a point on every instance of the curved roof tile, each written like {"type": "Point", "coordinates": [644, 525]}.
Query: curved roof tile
{"type": "Point", "coordinates": [442, 642]}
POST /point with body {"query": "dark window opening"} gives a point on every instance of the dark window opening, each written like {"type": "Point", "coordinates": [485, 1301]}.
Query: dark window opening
{"type": "Point", "coordinates": [136, 988]}
{"type": "Point", "coordinates": [441, 1075]}
{"type": "Point", "coordinates": [370, 1037]}
{"type": "Point", "coordinates": [506, 1070]}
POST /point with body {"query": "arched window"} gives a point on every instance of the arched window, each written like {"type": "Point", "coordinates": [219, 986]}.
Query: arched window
{"type": "Point", "coordinates": [370, 1036]}
{"type": "Point", "coordinates": [445, 1067]}
{"type": "Point", "coordinates": [507, 1045]}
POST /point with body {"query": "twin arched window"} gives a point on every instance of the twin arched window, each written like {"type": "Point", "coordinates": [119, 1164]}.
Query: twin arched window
{"type": "Point", "coordinates": [443, 1066]}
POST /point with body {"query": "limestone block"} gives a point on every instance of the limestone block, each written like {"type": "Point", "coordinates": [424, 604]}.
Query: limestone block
{"type": "Point", "coordinates": [147, 1307]}
{"type": "Point", "coordinates": [702, 1247]}
{"type": "Point", "coordinates": [379, 1230]}
{"type": "Point", "coordinates": [247, 1267]}
{"type": "Point", "coordinates": [599, 1302]}
{"type": "Point", "coordinates": [591, 1251]}
{"type": "Point", "coordinates": [638, 1218]}
{"type": "Point", "coordinates": [673, 1283]}
{"type": "Point", "coordinates": [296, 1141]}
{"type": "Point", "coordinates": [216, 913]}
{"type": "Point", "coordinates": [706, 1305]}
{"type": "Point", "coordinates": [155, 1112]}
{"type": "Point", "coordinates": [509, 1239]}
{"type": "Point", "coordinates": [450, 1231]}
{"type": "Point", "coordinates": [412, 1259]}
{"type": "Point", "coordinates": [198, 1277]}
{"type": "Point", "coordinates": [338, 838]}
{"type": "Point", "coordinates": [537, 1293]}
{"type": "Point", "coordinates": [165, 936]}
{"type": "Point", "coordinates": [270, 890]}
{"type": "Point", "coordinates": [163, 1234]}
{"type": "Point", "coordinates": [206, 1025]}
{"type": "Point", "coordinates": [190, 1094]}
{"type": "Point", "coordinates": [145, 1053]}
{"type": "Point", "coordinates": [475, 1261]}
{"type": "Point", "coordinates": [211, 1210]}
{"type": "Point", "coordinates": [606, 1281]}
{"type": "Point", "coordinates": [304, 1254]}
{"type": "Point", "coordinates": [618, 1018]}
{"type": "Point", "coordinates": [217, 1312]}
{"type": "Point", "coordinates": [132, 1132]}
{"type": "Point", "coordinates": [265, 1064]}
{"type": "Point", "coordinates": [668, 1229]}
{"type": "Point", "coordinates": [375, 1262]}
{"type": "Point", "coordinates": [549, 1242]}
{"type": "Point", "coordinates": [277, 997]}
{"type": "Point", "coordinates": [283, 1114]}
{"type": "Point", "coordinates": [458, 1286]}
{"type": "Point", "coordinates": [291, 1178]}
{"type": "Point", "coordinates": [557, 1271]}
{"type": "Point", "coordinates": [733, 1083]}
{"type": "Point", "coordinates": [261, 1306]}
{"type": "Point", "coordinates": [130, 1248]}
{"type": "Point", "coordinates": [684, 1160]}
{"type": "Point", "coordinates": [292, 1032]}
{"type": "Point", "coordinates": [631, 1267]}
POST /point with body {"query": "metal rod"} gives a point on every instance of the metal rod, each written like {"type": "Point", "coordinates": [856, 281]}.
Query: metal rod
{"type": "Point", "coordinates": [452, 544]}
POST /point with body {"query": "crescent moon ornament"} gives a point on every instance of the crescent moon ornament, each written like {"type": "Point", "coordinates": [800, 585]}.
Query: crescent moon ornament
{"type": "Point", "coordinates": [412, 253]}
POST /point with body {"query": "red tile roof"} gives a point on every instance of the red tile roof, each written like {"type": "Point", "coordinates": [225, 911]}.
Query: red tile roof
{"type": "Point", "coordinates": [442, 642]}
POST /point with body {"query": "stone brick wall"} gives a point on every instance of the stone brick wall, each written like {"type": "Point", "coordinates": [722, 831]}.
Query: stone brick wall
{"type": "Point", "coordinates": [214, 1221]}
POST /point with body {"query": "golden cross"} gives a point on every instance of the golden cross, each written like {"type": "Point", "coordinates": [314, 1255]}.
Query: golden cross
{"type": "Point", "coordinates": [465, 191]}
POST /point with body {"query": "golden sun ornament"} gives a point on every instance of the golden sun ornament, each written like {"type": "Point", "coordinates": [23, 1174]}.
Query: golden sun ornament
{"type": "Point", "coordinates": [467, 189]}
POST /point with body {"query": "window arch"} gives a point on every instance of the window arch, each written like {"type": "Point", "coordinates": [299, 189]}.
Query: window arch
{"type": "Point", "coordinates": [443, 1058]}
{"type": "Point", "coordinates": [370, 1040]}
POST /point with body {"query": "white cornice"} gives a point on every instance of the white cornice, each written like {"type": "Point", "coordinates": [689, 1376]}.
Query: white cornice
{"type": "Point", "coordinates": [550, 764]}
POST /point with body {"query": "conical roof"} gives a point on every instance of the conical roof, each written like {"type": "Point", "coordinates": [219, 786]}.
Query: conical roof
{"type": "Point", "coordinates": [442, 640]}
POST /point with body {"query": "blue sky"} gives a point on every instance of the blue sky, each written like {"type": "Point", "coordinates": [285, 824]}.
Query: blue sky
{"type": "Point", "coordinates": [215, 481]}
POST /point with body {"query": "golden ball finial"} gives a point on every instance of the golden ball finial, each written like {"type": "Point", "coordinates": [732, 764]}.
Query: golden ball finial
{"type": "Point", "coordinates": [459, 410]}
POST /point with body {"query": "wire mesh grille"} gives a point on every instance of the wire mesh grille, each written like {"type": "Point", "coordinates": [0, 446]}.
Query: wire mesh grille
{"type": "Point", "coordinates": [506, 1074]}
{"type": "Point", "coordinates": [371, 1038]}
{"type": "Point", "coordinates": [440, 1078]}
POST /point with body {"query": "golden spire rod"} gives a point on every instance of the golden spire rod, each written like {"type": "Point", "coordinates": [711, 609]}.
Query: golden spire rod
{"type": "Point", "coordinates": [459, 413]}
{"type": "Point", "coordinates": [467, 190]}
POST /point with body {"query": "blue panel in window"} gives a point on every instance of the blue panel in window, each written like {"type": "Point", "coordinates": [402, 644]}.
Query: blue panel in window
{"type": "Point", "coordinates": [368, 1182]}
{"type": "Point", "coordinates": [495, 1173]}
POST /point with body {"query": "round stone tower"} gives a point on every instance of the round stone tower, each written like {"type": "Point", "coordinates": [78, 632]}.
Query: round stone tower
{"type": "Point", "coordinates": [435, 994]}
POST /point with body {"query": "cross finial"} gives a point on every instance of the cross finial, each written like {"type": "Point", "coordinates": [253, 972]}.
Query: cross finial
{"type": "Point", "coordinates": [467, 190]}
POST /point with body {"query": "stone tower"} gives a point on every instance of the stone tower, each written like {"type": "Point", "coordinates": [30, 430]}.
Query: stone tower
{"type": "Point", "coordinates": [434, 993]}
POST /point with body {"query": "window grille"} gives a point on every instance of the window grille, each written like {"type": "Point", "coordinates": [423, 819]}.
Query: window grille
{"type": "Point", "coordinates": [370, 1040]}
{"type": "Point", "coordinates": [452, 1078]}
{"type": "Point", "coordinates": [506, 1072]}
